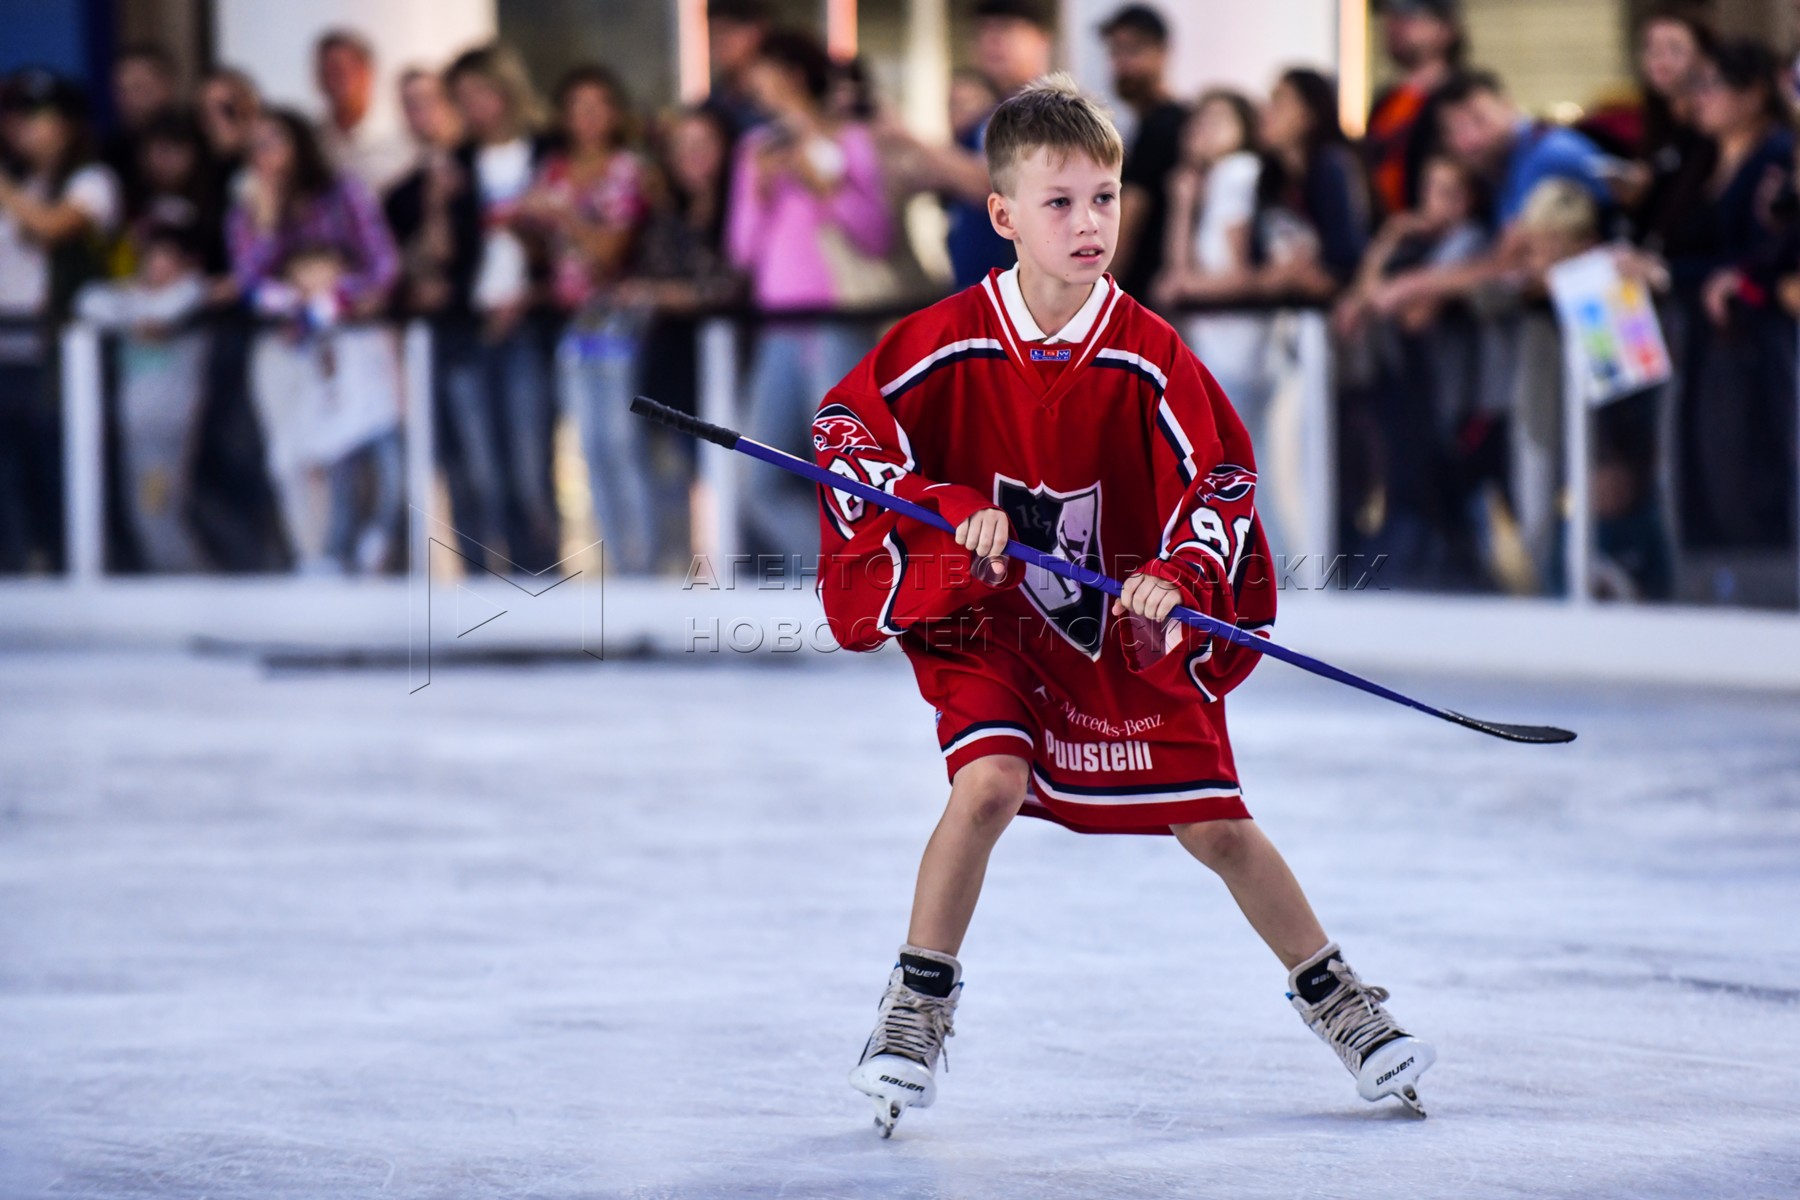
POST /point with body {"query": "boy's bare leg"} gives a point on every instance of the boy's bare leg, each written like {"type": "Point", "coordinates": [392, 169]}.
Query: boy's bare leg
{"type": "Point", "coordinates": [1261, 884]}
{"type": "Point", "coordinates": [899, 1061]}
{"type": "Point", "coordinates": [1348, 1015]}
{"type": "Point", "coordinates": [984, 797]}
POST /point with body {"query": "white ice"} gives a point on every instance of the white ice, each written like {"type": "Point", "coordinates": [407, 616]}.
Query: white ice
{"type": "Point", "coordinates": [619, 929]}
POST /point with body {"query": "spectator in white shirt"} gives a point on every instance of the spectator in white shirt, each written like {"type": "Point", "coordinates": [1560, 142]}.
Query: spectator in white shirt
{"type": "Point", "coordinates": [497, 384]}
{"type": "Point", "coordinates": [1212, 203]}
{"type": "Point", "coordinates": [58, 207]}
{"type": "Point", "coordinates": [354, 138]}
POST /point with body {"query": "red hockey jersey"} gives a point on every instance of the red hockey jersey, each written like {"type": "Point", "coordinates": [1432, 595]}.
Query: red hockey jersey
{"type": "Point", "coordinates": [1108, 445]}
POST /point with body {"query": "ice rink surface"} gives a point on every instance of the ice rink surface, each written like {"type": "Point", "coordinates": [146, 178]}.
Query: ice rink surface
{"type": "Point", "coordinates": [619, 930]}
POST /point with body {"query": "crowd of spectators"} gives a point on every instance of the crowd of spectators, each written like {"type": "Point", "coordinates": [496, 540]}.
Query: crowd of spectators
{"type": "Point", "coordinates": [256, 264]}
{"type": "Point", "coordinates": [1430, 238]}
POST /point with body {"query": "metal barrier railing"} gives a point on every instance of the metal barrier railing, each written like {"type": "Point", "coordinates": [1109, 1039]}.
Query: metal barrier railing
{"type": "Point", "coordinates": [717, 509]}
{"type": "Point", "coordinates": [84, 458]}
{"type": "Point", "coordinates": [718, 524]}
{"type": "Point", "coordinates": [84, 424]}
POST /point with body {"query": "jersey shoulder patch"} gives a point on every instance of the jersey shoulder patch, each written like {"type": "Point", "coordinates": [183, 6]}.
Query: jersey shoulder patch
{"type": "Point", "coordinates": [838, 430]}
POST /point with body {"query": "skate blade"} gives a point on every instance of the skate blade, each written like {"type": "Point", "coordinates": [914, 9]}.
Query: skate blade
{"type": "Point", "coordinates": [887, 1115]}
{"type": "Point", "coordinates": [1409, 1096]}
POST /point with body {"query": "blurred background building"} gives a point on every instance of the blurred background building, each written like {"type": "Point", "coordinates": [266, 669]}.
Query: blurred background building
{"type": "Point", "coordinates": [1553, 52]}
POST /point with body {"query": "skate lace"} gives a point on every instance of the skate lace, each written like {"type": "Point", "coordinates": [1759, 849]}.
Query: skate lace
{"type": "Point", "coordinates": [915, 1026]}
{"type": "Point", "coordinates": [1352, 1020]}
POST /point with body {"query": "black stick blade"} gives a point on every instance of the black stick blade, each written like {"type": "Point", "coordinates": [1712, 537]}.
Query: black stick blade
{"type": "Point", "coordinates": [1539, 735]}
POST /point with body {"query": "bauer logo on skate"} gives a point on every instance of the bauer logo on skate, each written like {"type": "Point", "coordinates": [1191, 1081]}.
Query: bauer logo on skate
{"type": "Point", "coordinates": [1098, 756]}
{"type": "Point", "coordinates": [913, 970]}
{"type": "Point", "coordinates": [1390, 1074]}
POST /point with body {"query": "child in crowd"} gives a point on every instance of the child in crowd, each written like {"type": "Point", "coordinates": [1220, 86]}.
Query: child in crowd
{"type": "Point", "coordinates": [1444, 230]}
{"type": "Point", "coordinates": [329, 394]}
{"type": "Point", "coordinates": [162, 369]}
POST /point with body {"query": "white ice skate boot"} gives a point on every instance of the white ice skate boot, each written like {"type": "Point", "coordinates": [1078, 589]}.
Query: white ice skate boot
{"type": "Point", "coordinates": [900, 1060]}
{"type": "Point", "coordinates": [1348, 1016]}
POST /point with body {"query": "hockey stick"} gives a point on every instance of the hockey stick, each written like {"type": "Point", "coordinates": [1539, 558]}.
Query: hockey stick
{"type": "Point", "coordinates": [731, 440]}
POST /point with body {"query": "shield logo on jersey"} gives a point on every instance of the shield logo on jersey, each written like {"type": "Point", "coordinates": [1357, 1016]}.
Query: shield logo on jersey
{"type": "Point", "coordinates": [1067, 525]}
{"type": "Point", "coordinates": [837, 430]}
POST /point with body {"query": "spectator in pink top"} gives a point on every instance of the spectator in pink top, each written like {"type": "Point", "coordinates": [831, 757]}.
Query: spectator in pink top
{"type": "Point", "coordinates": [808, 220]}
{"type": "Point", "coordinates": [802, 182]}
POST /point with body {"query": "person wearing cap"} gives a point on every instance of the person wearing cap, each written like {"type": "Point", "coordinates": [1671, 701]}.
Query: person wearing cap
{"type": "Point", "coordinates": [57, 206]}
{"type": "Point", "coordinates": [1425, 41]}
{"type": "Point", "coordinates": [1137, 43]}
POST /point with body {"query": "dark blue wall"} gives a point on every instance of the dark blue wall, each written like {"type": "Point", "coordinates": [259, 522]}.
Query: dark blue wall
{"type": "Point", "coordinates": [71, 37]}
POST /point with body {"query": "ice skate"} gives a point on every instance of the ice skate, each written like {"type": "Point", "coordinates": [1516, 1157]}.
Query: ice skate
{"type": "Point", "coordinates": [899, 1062]}
{"type": "Point", "coordinates": [1348, 1015]}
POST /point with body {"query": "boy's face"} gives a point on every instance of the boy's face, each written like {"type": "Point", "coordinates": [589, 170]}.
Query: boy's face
{"type": "Point", "coordinates": [1061, 214]}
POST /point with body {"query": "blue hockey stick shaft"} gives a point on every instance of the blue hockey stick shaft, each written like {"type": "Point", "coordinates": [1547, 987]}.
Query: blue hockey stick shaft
{"type": "Point", "coordinates": [732, 440]}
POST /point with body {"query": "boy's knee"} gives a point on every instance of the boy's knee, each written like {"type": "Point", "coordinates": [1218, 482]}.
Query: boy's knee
{"type": "Point", "coordinates": [1217, 844]}
{"type": "Point", "coordinates": [990, 791]}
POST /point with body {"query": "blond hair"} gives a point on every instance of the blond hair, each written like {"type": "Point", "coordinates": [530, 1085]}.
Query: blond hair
{"type": "Point", "coordinates": [1050, 114]}
{"type": "Point", "coordinates": [1562, 208]}
{"type": "Point", "coordinates": [500, 65]}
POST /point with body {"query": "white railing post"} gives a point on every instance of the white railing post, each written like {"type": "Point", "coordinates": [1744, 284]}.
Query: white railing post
{"type": "Point", "coordinates": [84, 475]}
{"type": "Point", "coordinates": [716, 500]}
{"type": "Point", "coordinates": [1318, 435]}
{"type": "Point", "coordinates": [421, 450]}
{"type": "Point", "coordinates": [1578, 520]}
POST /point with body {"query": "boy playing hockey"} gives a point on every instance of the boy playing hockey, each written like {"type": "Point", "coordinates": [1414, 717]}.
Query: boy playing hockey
{"type": "Point", "coordinates": [1045, 405]}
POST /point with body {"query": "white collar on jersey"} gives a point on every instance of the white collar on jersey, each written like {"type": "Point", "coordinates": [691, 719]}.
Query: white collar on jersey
{"type": "Point", "coordinates": [1079, 325]}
